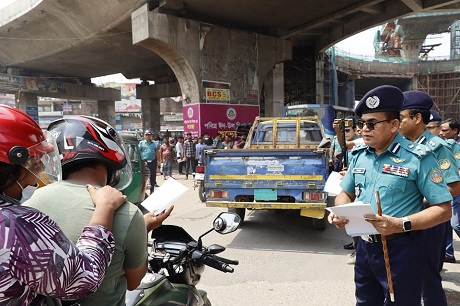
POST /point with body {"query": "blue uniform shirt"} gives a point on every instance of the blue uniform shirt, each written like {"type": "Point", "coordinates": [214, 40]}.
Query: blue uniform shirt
{"type": "Point", "coordinates": [443, 153]}
{"type": "Point", "coordinates": [404, 174]}
{"type": "Point", "coordinates": [456, 150]}
{"type": "Point", "coordinates": [148, 150]}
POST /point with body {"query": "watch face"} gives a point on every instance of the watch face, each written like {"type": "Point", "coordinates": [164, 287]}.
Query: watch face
{"type": "Point", "coordinates": [407, 225]}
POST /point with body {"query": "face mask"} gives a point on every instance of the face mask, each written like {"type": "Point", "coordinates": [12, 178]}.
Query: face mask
{"type": "Point", "coordinates": [27, 192]}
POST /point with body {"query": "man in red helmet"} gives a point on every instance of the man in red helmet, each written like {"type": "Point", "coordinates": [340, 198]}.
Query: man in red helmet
{"type": "Point", "coordinates": [37, 258]}
{"type": "Point", "coordinates": [92, 152]}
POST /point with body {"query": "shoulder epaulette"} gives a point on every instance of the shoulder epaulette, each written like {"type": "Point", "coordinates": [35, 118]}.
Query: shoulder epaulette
{"type": "Point", "coordinates": [435, 143]}
{"type": "Point", "coordinates": [451, 142]}
{"type": "Point", "coordinates": [358, 148]}
{"type": "Point", "coordinates": [418, 150]}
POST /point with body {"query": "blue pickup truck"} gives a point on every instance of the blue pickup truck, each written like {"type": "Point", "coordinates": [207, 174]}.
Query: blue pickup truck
{"type": "Point", "coordinates": [284, 165]}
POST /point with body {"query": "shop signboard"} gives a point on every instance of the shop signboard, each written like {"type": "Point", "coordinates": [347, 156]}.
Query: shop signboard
{"type": "Point", "coordinates": [224, 119]}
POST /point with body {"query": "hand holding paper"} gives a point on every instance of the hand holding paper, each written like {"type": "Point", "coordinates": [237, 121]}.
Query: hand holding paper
{"type": "Point", "coordinates": [164, 196]}
{"type": "Point", "coordinates": [354, 213]}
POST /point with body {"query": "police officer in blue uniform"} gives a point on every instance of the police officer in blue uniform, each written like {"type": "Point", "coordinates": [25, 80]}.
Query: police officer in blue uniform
{"type": "Point", "coordinates": [434, 126]}
{"type": "Point", "coordinates": [414, 116]}
{"type": "Point", "coordinates": [454, 221]}
{"type": "Point", "coordinates": [404, 173]}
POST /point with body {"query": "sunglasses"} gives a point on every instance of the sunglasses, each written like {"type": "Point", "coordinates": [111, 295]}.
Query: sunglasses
{"type": "Point", "coordinates": [370, 125]}
{"type": "Point", "coordinates": [347, 130]}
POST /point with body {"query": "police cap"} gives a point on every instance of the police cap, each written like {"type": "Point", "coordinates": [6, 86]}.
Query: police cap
{"type": "Point", "coordinates": [414, 99]}
{"type": "Point", "coordinates": [148, 132]}
{"type": "Point", "coordinates": [434, 116]}
{"type": "Point", "coordinates": [384, 98]}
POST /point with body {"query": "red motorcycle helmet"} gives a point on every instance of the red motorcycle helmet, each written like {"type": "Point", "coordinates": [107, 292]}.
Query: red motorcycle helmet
{"type": "Point", "coordinates": [84, 138]}
{"type": "Point", "coordinates": [22, 142]}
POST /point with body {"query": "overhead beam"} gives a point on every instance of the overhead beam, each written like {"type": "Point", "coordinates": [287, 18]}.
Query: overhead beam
{"type": "Point", "coordinates": [415, 5]}
{"type": "Point", "coordinates": [392, 9]}
{"type": "Point", "coordinates": [330, 17]}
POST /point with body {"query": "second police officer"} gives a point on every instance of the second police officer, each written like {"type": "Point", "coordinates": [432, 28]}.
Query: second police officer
{"type": "Point", "coordinates": [415, 115]}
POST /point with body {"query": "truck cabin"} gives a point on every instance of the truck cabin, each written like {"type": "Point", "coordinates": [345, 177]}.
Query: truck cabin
{"type": "Point", "coordinates": [285, 133]}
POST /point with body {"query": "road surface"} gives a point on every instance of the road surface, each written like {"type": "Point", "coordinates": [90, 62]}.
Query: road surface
{"type": "Point", "coordinates": [283, 260]}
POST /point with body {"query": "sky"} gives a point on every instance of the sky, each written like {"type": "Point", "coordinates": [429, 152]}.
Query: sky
{"type": "Point", "coordinates": [4, 3]}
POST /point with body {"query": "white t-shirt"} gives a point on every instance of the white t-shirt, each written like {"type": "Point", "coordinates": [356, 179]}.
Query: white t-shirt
{"type": "Point", "coordinates": [179, 150]}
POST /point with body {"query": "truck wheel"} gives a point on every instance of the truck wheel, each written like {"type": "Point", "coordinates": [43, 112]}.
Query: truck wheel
{"type": "Point", "coordinates": [239, 211]}
{"type": "Point", "coordinates": [202, 192]}
{"type": "Point", "coordinates": [319, 224]}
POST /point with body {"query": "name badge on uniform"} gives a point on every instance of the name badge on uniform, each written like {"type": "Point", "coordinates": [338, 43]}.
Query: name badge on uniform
{"type": "Point", "coordinates": [359, 170]}
{"type": "Point", "coordinates": [395, 170]}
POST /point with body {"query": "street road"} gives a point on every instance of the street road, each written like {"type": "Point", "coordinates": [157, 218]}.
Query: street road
{"type": "Point", "coordinates": [283, 260]}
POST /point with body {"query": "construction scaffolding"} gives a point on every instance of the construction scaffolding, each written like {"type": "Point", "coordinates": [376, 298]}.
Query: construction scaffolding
{"type": "Point", "coordinates": [444, 88]}
{"type": "Point", "coordinates": [455, 40]}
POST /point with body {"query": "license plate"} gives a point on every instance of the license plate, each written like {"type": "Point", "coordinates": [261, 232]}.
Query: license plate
{"type": "Point", "coordinates": [265, 194]}
{"type": "Point", "coordinates": [199, 176]}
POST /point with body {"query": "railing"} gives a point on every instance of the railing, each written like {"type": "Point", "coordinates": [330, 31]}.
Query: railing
{"type": "Point", "coordinates": [348, 62]}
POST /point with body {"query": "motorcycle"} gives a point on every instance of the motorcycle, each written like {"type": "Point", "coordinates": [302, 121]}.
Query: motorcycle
{"type": "Point", "coordinates": [199, 182]}
{"type": "Point", "coordinates": [176, 262]}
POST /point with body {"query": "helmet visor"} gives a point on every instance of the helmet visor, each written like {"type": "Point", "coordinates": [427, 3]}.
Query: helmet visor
{"type": "Point", "coordinates": [44, 160]}
{"type": "Point", "coordinates": [123, 177]}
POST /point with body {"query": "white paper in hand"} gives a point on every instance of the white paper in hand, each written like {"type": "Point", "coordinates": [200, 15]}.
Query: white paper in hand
{"type": "Point", "coordinates": [163, 197]}
{"type": "Point", "coordinates": [355, 212]}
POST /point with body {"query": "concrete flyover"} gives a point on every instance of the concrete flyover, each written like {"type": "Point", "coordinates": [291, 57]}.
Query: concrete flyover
{"type": "Point", "coordinates": [77, 40]}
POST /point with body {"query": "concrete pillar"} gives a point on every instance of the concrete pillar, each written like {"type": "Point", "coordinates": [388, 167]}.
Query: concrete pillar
{"type": "Point", "coordinates": [106, 111]}
{"type": "Point", "coordinates": [320, 78]}
{"type": "Point", "coordinates": [151, 114]}
{"type": "Point", "coordinates": [28, 103]}
{"type": "Point", "coordinates": [347, 94]}
{"type": "Point", "coordinates": [274, 92]}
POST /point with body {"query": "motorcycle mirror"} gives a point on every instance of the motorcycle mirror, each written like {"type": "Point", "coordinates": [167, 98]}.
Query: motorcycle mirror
{"type": "Point", "coordinates": [226, 223]}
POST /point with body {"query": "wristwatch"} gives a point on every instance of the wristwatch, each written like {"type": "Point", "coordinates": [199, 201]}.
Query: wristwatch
{"type": "Point", "coordinates": [407, 225]}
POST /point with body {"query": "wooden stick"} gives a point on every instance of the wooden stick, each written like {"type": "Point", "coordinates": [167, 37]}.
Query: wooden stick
{"type": "Point", "coordinates": [385, 251]}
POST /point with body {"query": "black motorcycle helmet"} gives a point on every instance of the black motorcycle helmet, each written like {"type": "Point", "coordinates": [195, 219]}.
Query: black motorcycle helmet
{"type": "Point", "coordinates": [84, 139]}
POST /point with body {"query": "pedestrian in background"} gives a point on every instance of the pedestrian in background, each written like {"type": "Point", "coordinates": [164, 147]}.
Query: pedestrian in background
{"type": "Point", "coordinates": [149, 155]}
{"type": "Point", "coordinates": [217, 142]}
{"type": "Point", "coordinates": [239, 144]}
{"type": "Point", "coordinates": [180, 154]}
{"type": "Point", "coordinates": [167, 157]}
{"type": "Point", "coordinates": [190, 155]}
{"type": "Point", "coordinates": [404, 173]}
{"type": "Point", "coordinates": [227, 143]}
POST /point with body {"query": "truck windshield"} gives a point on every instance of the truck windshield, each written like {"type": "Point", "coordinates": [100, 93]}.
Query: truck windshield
{"type": "Point", "coordinates": [310, 132]}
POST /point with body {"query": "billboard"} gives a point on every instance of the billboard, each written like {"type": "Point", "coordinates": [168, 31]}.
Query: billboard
{"type": "Point", "coordinates": [210, 118]}
{"type": "Point", "coordinates": [129, 103]}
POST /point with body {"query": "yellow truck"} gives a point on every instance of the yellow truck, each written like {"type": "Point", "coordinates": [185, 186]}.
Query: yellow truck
{"type": "Point", "coordinates": [284, 165]}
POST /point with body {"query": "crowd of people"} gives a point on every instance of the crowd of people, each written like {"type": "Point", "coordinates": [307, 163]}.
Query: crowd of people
{"type": "Point", "coordinates": [412, 158]}
{"type": "Point", "coordinates": [161, 155]}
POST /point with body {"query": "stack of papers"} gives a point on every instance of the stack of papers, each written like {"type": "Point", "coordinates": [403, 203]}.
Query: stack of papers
{"type": "Point", "coordinates": [163, 197]}
{"type": "Point", "coordinates": [354, 213]}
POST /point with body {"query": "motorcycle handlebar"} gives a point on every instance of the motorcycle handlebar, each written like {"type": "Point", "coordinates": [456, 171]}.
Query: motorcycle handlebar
{"type": "Point", "coordinates": [216, 264]}
{"type": "Point", "coordinates": [227, 261]}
